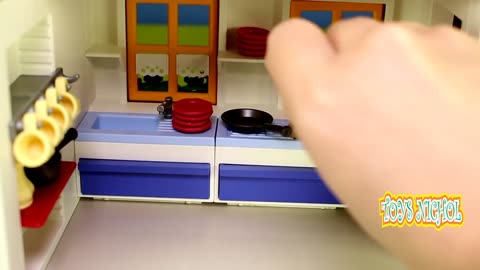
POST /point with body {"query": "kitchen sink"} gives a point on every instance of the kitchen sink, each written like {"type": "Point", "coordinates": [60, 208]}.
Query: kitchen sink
{"type": "Point", "coordinates": [140, 129]}
{"type": "Point", "coordinates": [132, 122]}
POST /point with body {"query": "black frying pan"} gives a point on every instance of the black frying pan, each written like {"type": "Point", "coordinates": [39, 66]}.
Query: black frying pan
{"type": "Point", "coordinates": [251, 121]}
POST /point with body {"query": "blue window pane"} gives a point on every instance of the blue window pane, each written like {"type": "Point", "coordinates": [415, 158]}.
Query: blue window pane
{"type": "Point", "coordinates": [193, 25]}
{"type": "Point", "coordinates": [152, 13]}
{"type": "Point", "coordinates": [352, 14]}
{"type": "Point", "coordinates": [322, 18]}
{"type": "Point", "coordinates": [194, 15]}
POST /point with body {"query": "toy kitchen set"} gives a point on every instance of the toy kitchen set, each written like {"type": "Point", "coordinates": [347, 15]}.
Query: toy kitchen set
{"type": "Point", "coordinates": [192, 59]}
{"type": "Point", "coordinates": [159, 101]}
{"type": "Point", "coordinates": [191, 147]}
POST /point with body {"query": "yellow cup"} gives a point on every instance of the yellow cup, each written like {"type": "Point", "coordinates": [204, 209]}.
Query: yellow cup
{"type": "Point", "coordinates": [32, 148]}
{"type": "Point", "coordinates": [49, 125]}
{"type": "Point", "coordinates": [58, 112]}
{"type": "Point", "coordinates": [67, 100]}
{"type": "Point", "coordinates": [25, 188]}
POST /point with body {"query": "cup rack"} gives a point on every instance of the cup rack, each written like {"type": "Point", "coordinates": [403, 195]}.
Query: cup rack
{"type": "Point", "coordinates": [16, 124]}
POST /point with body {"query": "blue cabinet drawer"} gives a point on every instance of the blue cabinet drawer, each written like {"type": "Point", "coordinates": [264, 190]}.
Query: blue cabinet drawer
{"type": "Point", "coordinates": [144, 179]}
{"type": "Point", "coordinates": [273, 184]}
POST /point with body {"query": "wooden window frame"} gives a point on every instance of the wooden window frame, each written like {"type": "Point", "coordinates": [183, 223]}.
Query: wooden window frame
{"type": "Point", "coordinates": [337, 8]}
{"type": "Point", "coordinates": [172, 49]}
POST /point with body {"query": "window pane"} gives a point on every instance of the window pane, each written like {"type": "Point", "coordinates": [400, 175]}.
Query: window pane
{"type": "Point", "coordinates": [193, 73]}
{"type": "Point", "coordinates": [193, 25]}
{"type": "Point", "coordinates": [152, 72]}
{"type": "Point", "coordinates": [152, 24]}
{"type": "Point", "coordinates": [353, 14]}
{"type": "Point", "coordinates": [322, 18]}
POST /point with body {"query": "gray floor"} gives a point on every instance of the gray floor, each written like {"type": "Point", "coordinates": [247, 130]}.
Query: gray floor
{"type": "Point", "coordinates": [124, 235]}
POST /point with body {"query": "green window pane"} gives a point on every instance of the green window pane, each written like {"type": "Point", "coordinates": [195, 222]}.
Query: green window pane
{"type": "Point", "coordinates": [152, 72]}
{"type": "Point", "coordinates": [193, 25]}
{"type": "Point", "coordinates": [193, 73]}
{"type": "Point", "coordinates": [152, 24]}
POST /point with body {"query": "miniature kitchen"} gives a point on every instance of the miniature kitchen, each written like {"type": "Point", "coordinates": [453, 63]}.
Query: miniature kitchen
{"type": "Point", "coordinates": [159, 103]}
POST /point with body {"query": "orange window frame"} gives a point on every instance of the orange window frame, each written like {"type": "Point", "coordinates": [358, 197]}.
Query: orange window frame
{"type": "Point", "coordinates": [297, 6]}
{"type": "Point", "coordinates": [172, 49]}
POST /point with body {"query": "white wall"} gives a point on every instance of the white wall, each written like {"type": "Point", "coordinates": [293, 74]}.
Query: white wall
{"type": "Point", "coordinates": [70, 44]}
{"type": "Point", "coordinates": [23, 14]}
{"type": "Point", "coordinates": [473, 26]}
{"type": "Point", "coordinates": [468, 11]}
{"type": "Point", "coordinates": [35, 50]}
{"type": "Point", "coordinates": [413, 10]}
{"type": "Point", "coordinates": [101, 22]}
{"type": "Point", "coordinates": [433, 12]}
{"type": "Point", "coordinates": [13, 63]}
{"type": "Point", "coordinates": [32, 53]}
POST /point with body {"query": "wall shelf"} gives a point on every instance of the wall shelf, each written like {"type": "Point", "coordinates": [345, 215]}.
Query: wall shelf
{"type": "Point", "coordinates": [234, 57]}
{"type": "Point", "coordinates": [103, 51]}
{"type": "Point", "coordinates": [21, 91]}
{"type": "Point", "coordinates": [45, 198]}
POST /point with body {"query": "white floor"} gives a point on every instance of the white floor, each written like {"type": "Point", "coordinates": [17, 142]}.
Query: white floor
{"type": "Point", "coordinates": [123, 235]}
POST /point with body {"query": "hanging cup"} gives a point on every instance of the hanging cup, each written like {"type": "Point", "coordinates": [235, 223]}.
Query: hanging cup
{"type": "Point", "coordinates": [57, 112]}
{"type": "Point", "coordinates": [66, 99]}
{"type": "Point", "coordinates": [32, 147]}
{"type": "Point", "coordinates": [48, 124]}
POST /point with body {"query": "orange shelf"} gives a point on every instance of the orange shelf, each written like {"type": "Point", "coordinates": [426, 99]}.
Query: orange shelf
{"type": "Point", "coordinates": [45, 198]}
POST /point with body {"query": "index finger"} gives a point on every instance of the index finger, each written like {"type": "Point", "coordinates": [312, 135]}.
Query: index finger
{"type": "Point", "coordinates": [297, 57]}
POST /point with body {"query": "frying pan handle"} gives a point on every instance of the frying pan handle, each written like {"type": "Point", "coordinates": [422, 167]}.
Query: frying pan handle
{"type": "Point", "coordinates": [286, 131]}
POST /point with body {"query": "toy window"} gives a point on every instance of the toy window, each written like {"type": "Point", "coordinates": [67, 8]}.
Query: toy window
{"type": "Point", "coordinates": [324, 13]}
{"type": "Point", "coordinates": [171, 49]}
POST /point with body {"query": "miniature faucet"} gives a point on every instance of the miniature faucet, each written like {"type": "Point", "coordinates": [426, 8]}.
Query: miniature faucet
{"type": "Point", "coordinates": [166, 108]}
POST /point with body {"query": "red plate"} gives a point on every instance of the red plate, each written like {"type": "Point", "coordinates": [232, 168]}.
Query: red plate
{"type": "Point", "coordinates": [185, 129]}
{"type": "Point", "coordinates": [253, 33]}
{"type": "Point", "coordinates": [200, 118]}
{"type": "Point", "coordinates": [190, 124]}
{"type": "Point", "coordinates": [252, 53]}
{"type": "Point", "coordinates": [248, 47]}
{"type": "Point", "coordinates": [252, 41]}
{"type": "Point", "coordinates": [192, 107]}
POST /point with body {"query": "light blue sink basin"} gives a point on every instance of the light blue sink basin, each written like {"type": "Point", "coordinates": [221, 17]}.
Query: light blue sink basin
{"type": "Point", "coordinates": [139, 128]}
{"type": "Point", "coordinates": [131, 122]}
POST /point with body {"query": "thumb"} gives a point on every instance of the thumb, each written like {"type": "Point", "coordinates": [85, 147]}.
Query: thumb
{"type": "Point", "coordinates": [298, 53]}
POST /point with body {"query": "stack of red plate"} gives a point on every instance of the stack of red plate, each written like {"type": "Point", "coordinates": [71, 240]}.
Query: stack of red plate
{"type": "Point", "coordinates": [192, 115]}
{"type": "Point", "coordinates": [252, 41]}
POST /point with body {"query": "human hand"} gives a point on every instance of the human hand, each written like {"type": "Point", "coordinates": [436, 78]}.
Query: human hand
{"type": "Point", "coordinates": [388, 107]}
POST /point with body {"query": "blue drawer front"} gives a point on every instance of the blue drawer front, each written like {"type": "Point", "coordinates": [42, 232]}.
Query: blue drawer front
{"type": "Point", "coordinates": [273, 184]}
{"type": "Point", "coordinates": [144, 179]}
